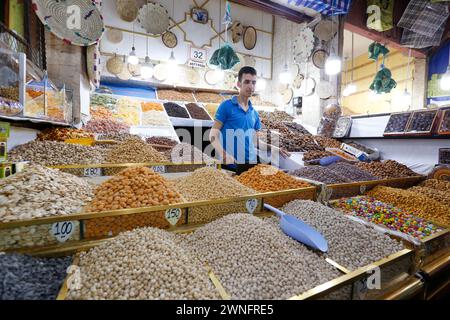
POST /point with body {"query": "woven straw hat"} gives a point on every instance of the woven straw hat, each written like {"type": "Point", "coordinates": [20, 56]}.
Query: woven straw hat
{"type": "Point", "coordinates": [127, 9]}
{"type": "Point", "coordinates": [154, 18]}
{"type": "Point", "coordinates": [115, 65]}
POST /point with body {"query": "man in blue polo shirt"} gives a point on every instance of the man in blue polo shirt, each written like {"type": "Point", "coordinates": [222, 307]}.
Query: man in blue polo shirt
{"type": "Point", "coordinates": [234, 134]}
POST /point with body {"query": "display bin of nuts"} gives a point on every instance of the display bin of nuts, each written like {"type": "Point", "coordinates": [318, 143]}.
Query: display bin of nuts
{"type": "Point", "coordinates": [175, 95]}
{"type": "Point", "coordinates": [12, 82]}
{"type": "Point", "coordinates": [422, 122]}
{"type": "Point", "coordinates": [397, 124]}
{"type": "Point", "coordinates": [444, 122]}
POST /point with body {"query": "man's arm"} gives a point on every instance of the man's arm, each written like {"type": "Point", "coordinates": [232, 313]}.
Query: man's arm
{"type": "Point", "coordinates": [214, 138]}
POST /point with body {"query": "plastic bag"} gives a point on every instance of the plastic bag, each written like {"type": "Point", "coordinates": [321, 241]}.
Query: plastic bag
{"type": "Point", "coordinates": [380, 14]}
{"type": "Point", "coordinates": [225, 57]}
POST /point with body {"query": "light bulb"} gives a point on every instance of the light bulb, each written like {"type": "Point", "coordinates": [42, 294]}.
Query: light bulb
{"type": "Point", "coordinates": [147, 69]}
{"type": "Point", "coordinates": [132, 57]}
{"type": "Point", "coordinates": [349, 90]}
{"type": "Point", "coordinates": [333, 65]}
{"type": "Point", "coordinates": [285, 76]}
{"type": "Point", "coordinates": [261, 84]}
{"type": "Point", "coordinates": [444, 83]}
{"type": "Point", "coordinates": [172, 66]}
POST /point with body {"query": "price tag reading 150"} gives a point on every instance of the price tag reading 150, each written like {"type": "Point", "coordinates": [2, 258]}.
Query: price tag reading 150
{"type": "Point", "coordinates": [173, 215]}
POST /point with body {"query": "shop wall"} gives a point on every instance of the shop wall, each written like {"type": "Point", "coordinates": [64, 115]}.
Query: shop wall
{"type": "Point", "coordinates": [190, 34]}
{"type": "Point", "coordinates": [364, 101]}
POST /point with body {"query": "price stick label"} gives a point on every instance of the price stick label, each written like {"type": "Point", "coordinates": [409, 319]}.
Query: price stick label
{"type": "Point", "coordinates": [362, 189]}
{"type": "Point", "coordinates": [159, 169]}
{"type": "Point", "coordinates": [62, 231]}
{"type": "Point", "coordinates": [92, 172]}
{"type": "Point", "coordinates": [251, 205]}
{"type": "Point", "coordinates": [173, 215]}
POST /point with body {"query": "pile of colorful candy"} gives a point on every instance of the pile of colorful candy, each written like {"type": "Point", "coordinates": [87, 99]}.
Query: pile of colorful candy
{"type": "Point", "coordinates": [386, 215]}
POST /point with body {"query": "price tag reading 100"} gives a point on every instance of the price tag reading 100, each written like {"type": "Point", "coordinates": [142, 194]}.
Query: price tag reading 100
{"type": "Point", "coordinates": [62, 230]}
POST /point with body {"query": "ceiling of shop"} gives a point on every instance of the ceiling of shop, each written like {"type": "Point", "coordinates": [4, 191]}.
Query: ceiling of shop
{"type": "Point", "coordinates": [304, 10]}
{"type": "Point", "coordinates": [361, 44]}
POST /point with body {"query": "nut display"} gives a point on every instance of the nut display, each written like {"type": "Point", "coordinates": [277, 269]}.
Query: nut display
{"type": "Point", "coordinates": [103, 100]}
{"type": "Point", "coordinates": [208, 97]}
{"type": "Point", "coordinates": [175, 110]}
{"type": "Point", "coordinates": [342, 154]}
{"type": "Point", "coordinates": [173, 95]}
{"type": "Point", "coordinates": [53, 153]}
{"type": "Point", "coordinates": [155, 118]}
{"type": "Point", "coordinates": [41, 192]}
{"type": "Point", "coordinates": [142, 264]}
{"type": "Point", "coordinates": [128, 111]}
{"type": "Point", "coordinates": [294, 142]}
{"type": "Point", "coordinates": [197, 112]}
{"type": "Point", "coordinates": [276, 116]}
{"type": "Point", "coordinates": [422, 121]}
{"type": "Point", "coordinates": [387, 169]}
{"type": "Point", "coordinates": [397, 122]}
{"type": "Point", "coordinates": [351, 172]}
{"type": "Point", "coordinates": [386, 215]}
{"type": "Point", "coordinates": [62, 134]}
{"type": "Point", "coordinates": [316, 155]}
{"type": "Point", "coordinates": [361, 147]}
{"type": "Point", "coordinates": [9, 107]}
{"type": "Point", "coordinates": [319, 173]}
{"type": "Point", "coordinates": [29, 278]}
{"type": "Point", "coordinates": [33, 236]}
{"type": "Point", "coordinates": [162, 141]}
{"type": "Point", "coordinates": [116, 136]}
{"type": "Point", "coordinates": [186, 153]}
{"type": "Point", "coordinates": [438, 195]}
{"type": "Point", "coordinates": [100, 112]}
{"type": "Point", "coordinates": [258, 101]}
{"type": "Point", "coordinates": [209, 184]}
{"type": "Point", "coordinates": [149, 106]}
{"type": "Point", "coordinates": [133, 150]}
{"type": "Point", "coordinates": [441, 185]}
{"type": "Point", "coordinates": [11, 93]}
{"type": "Point", "coordinates": [326, 142]}
{"type": "Point", "coordinates": [420, 204]}
{"type": "Point", "coordinates": [131, 188]}
{"type": "Point", "coordinates": [296, 128]}
{"type": "Point", "coordinates": [266, 178]}
{"type": "Point", "coordinates": [350, 244]}
{"type": "Point", "coordinates": [253, 259]}
{"type": "Point", "coordinates": [106, 126]}
{"type": "Point", "coordinates": [445, 122]}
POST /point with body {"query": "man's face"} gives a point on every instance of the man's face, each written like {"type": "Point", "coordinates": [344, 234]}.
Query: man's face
{"type": "Point", "coordinates": [247, 85]}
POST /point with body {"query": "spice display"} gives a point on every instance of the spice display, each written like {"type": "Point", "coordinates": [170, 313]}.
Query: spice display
{"type": "Point", "coordinates": [209, 184]}
{"type": "Point", "coordinates": [212, 109]}
{"type": "Point", "coordinates": [133, 150]}
{"type": "Point", "coordinates": [29, 278]}
{"type": "Point", "coordinates": [438, 195]}
{"type": "Point", "coordinates": [350, 244]}
{"type": "Point", "coordinates": [208, 97]}
{"type": "Point", "coordinates": [103, 100]}
{"type": "Point", "coordinates": [322, 174]}
{"type": "Point", "coordinates": [11, 93]}
{"type": "Point", "coordinates": [149, 106]}
{"type": "Point", "coordinates": [62, 134]}
{"type": "Point", "coordinates": [175, 110]}
{"type": "Point", "coordinates": [173, 95]}
{"type": "Point", "coordinates": [131, 188]}
{"type": "Point", "coordinates": [316, 155]}
{"type": "Point", "coordinates": [155, 118]}
{"type": "Point", "coordinates": [128, 111]}
{"type": "Point", "coordinates": [422, 121]}
{"type": "Point", "coordinates": [266, 178]}
{"type": "Point", "coordinates": [9, 107]}
{"type": "Point", "coordinates": [106, 126]}
{"type": "Point", "coordinates": [53, 153]}
{"type": "Point", "coordinates": [100, 112]}
{"type": "Point", "coordinates": [397, 122]}
{"type": "Point", "coordinates": [186, 153]}
{"type": "Point", "coordinates": [351, 172]}
{"type": "Point", "coordinates": [142, 264]}
{"type": "Point", "coordinates": [422, 205]}
{"type": "Point", "coordinates": [41, 192]}
{"type": "Point", "coordinates": [441, 185]}
{"type": "Point", "coordinates": [386, 215]}
{"type": "Point", "coordinates": [197, 112]}
{"type": "Point", "coordinates": [387, 169]}
{"type": "Point", "coordinates": [254, 259]}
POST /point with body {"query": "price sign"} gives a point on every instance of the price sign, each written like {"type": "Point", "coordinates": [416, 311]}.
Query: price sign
{"type": "Point", "coordinates": [159, 169]}
{"type": "Point", "coordinates": [197, 58]}
{"type": "Point", "coordinates": [251, 205]}
{"type": "Point", "coordinates": [62, 230]}
{"type": "Point", "coordinates": [173, 215]}
{"type": "Point", "coordinates": [92, 172]}
{"type": "Point", "coordinates": [362, 189]}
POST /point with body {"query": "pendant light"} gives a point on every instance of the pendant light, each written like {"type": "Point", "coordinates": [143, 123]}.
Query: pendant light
{"type": "Point", "coordinates": [444, 83]}
{"type": "Point", "coordinates": [172, 62]}
{"type": "Point", "coordinates": [406, 94]}
{"type": "Point", "coordinates": [147, 67]}
{"type": "Point", "coordinates": [132, 57]}
{"type": "Point", "coordinates": [333, 65]}
{"type": "Point", "coordinates": [351, 87]}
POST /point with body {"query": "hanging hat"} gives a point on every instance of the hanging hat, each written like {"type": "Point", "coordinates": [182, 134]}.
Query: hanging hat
{"type": "Point", "coordinates": [250, 38]}
{"type": "Point", "coordinates": [55, 17]}
{"type": "Point", "coordinates": [237, 30]}
{"type": "Point", "coordinates": [127, 9]}
{"type": "Point", "coordinates": [154, 18]}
